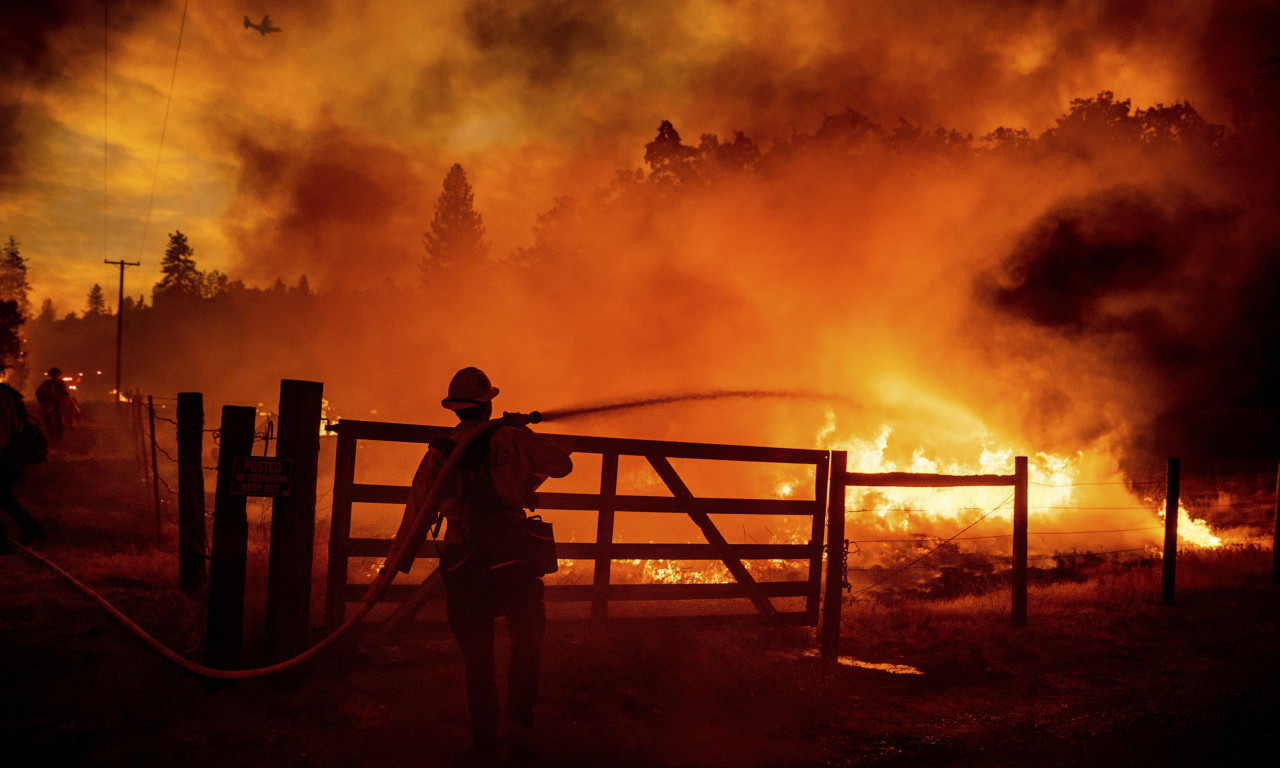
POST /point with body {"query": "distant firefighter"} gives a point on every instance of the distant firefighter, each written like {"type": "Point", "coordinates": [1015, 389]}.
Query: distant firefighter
{"type": "Point", "coordinates": [21, 443]}
{"type": "Point", "coordinates": [484, 502]}
{"type": "Point", "coordinates": [58, 408]}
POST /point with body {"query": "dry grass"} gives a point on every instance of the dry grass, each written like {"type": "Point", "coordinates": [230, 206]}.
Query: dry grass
{"type": "Point", "coordinates": [975, 631]}
{"type": "Point", "coordinates": [1093, 660]}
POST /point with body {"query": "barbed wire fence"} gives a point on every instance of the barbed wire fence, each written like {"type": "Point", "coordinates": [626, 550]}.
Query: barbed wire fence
{"type": "Point", "coordinates": [156, 461]}
{"type": "Point", "coordinates": [936, 544]}
{"type": "Point", "coordinates": [153, 455]}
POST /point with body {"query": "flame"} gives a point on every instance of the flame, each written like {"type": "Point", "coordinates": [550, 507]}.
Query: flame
{"type": "Point", "coordinates": [674, 572]}
{"type": "Point", "coordinates": [326, 420]}
{"type": "Point", "coordinates": [1075, 500]}
{"type": "Point", "coordinates": [1191, 532]}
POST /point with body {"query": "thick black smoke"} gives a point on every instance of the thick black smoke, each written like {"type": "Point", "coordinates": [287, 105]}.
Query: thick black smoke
{"type": "Point", "coordinates": [546, 41]}
{"type": "Point", "coordinates": [1177, 294]}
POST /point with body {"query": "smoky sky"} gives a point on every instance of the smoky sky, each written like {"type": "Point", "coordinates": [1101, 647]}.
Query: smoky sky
{"type": "Point", "coordinates": [541, 39]}
{"type": "Point", "coordinates": [43, 42]}
{"type": "Point", "coordinates": [344, 209]}
{"type": "Point", "coordinates": [321, 151]}
{"type": "Point", "coordinates": [539, 99]}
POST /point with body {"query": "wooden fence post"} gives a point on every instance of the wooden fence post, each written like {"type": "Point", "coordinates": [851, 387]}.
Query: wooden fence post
{"type": "Point", "coordinates": [834, 597]}
{"type": "Point", "coordinates": [293, 522]}
{"type": "Point", "coordinates": [817, 535]}
{"type": "Point", "coordinates": [225, 634]}
{"type": "Point", "coordinates": [600, 576]}
{"type": "Point", "coordinates": [1020, 541]}
{"type": "Point", "coordinates": [139, 432]}
{"type": "Point", "coordinates": [191, 532]}
{"type": "Point", "coordinates": [344, 472]}
{"type": "Point", "coordinates": [1171, 531]}
{"type": "Point", "coordinates": [155, 470]}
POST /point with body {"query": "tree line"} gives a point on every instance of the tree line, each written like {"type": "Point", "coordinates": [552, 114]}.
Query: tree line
{"type": "Point", "coordinates": [674, 173]}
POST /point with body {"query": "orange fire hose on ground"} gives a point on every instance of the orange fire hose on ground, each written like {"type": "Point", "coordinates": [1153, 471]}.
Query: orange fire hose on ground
{"type": "Point", "coordinates": [372, 597]}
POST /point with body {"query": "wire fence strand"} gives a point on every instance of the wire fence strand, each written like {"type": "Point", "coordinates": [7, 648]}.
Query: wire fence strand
{"type": "Point", "coordinates": [902, 569]}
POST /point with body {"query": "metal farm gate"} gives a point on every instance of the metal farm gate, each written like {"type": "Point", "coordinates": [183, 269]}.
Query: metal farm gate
{"type": "Point", "coordinates": [606, 504]}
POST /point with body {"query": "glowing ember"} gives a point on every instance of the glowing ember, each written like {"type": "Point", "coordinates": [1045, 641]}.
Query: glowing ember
{"type": "Point", "coordinates": [849, 661]}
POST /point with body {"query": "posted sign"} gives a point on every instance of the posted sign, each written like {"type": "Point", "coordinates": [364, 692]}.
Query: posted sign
{"type": "Point", "coordinates": [261, 476]}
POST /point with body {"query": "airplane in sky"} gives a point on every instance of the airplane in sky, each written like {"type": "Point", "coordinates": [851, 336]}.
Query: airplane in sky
{"type": "Point", "coordinates": [264, 27]}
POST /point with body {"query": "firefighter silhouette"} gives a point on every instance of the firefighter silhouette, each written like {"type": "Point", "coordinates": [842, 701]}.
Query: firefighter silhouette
{"type": "Point", "coordinates": [504, 463]}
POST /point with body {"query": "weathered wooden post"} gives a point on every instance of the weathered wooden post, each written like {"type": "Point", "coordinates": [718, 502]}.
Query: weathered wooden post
{"type": "Point", "coordinates": [139, 431]}
{"type": "Point", "coordinates": [817, 536]}
{"type": "Point", "coordinates": [293, 521]}
{"type": "Point", "coordinates": [1171, 531]}
{"type": "Point", "coordinates": [1020, 540]}
{"type": "Point", "coordinates": [601, 574]}
{"type": "Point", "coordinates": [155, 470]}
{"type": "Point", "coordinates": [344, 472]}
{"type": "Point", "coordinates": [191, 532]}
{"type": "Point", "coordinates": [834, 595]}
{"type": "Point", "coordinates": [225, 634]}
{"type": "Point", "coordinates": [1275, 538]}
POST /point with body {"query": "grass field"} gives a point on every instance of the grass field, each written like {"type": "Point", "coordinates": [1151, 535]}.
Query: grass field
{"type": "Point", "coordinates": [1102, 674]}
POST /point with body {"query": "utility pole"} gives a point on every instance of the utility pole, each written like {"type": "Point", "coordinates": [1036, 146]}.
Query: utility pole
{"type": "Point", "coordinates": [120, 314]}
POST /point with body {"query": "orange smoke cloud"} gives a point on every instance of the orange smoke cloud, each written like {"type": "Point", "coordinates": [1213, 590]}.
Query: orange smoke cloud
{"type": "Point", "coordinates": [868, 254]}
{"type": "Point", "coordinates": [339, 209]}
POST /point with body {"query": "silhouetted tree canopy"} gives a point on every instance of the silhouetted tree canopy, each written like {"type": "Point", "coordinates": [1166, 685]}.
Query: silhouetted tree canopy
{"type": "Point", "coordinates": [11, 321]}
{"type": "Point", "coordinates": [669, 160]}
{"type": "Point", "coordinates": [13, 277]}
{"type": "Point", "coordinates": [181, 277]}
{"type": "Point", "coordinates": [456, 233]}
{"type": "Point", "coordinates": [730, 157]}
{"type": "Point", "coordinates": [97, 304]}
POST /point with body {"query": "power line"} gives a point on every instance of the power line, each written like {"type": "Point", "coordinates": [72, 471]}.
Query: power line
{"type": "Point", "coordinates": [105, 49]}
{"type": "Point", "coordinates": [164, 125]}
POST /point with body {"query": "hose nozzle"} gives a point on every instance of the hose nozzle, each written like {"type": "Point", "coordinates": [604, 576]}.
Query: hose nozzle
{"type": "Point", "coordinates": [521, 419]}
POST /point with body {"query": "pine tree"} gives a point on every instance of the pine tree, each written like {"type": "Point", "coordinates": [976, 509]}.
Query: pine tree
{"type": "Point", "coordinates": [668, 158]}
{"type": "Point", "coordinates": [10, 339]}
{"type": "Point", "coordinates": [13, 278]}
{"type": "Point", "coordinates": [456, 236]}
{"type": "Point", "coordinates": [97, 303]}
{"type": "Point", "coordinates": [181, 277]}
{"type": "Point", "coordinates": [48, 313]}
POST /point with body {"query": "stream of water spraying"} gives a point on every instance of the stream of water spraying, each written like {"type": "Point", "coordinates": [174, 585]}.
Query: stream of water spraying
{"type": "Point", "coordinates": [560, 414]}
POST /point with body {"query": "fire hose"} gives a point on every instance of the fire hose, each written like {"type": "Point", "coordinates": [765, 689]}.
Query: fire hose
{"type": "Point", "coordinates": [377, 589]}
